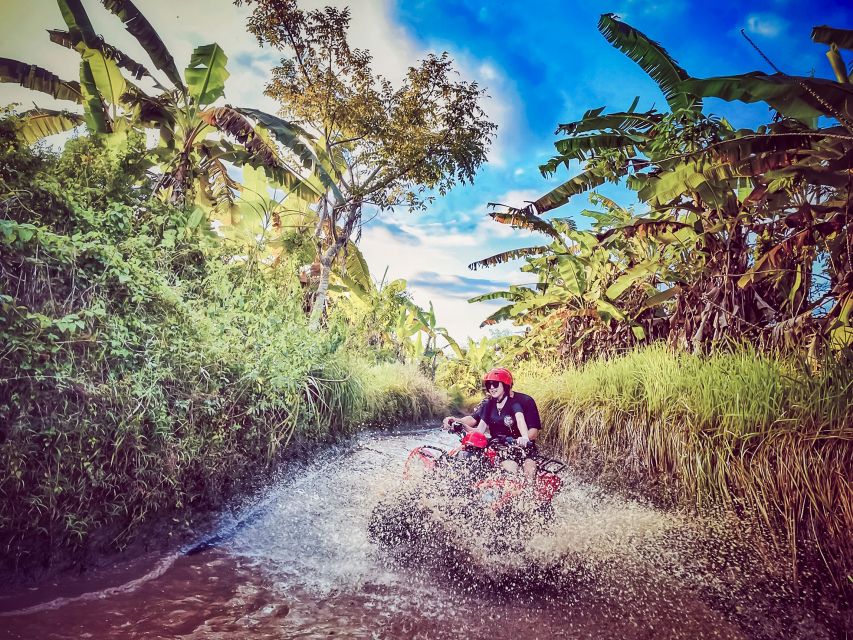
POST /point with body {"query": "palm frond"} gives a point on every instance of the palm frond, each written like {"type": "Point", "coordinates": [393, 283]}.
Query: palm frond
{"type": "Point", "coordinates": [653, 59]}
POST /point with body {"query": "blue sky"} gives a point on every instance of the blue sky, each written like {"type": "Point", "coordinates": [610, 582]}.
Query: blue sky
{"type": "Point", "coordinates": [542, 63]}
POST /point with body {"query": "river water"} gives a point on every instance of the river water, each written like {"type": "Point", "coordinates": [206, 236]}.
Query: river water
{"type": "Point", "coordinates": [299, 563]}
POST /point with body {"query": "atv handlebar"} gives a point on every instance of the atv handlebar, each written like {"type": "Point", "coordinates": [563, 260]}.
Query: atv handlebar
{"type": "Point", "coordinates": [457, 428]}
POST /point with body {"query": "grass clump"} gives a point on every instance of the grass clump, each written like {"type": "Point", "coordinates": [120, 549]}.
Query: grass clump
{"type": "Point", "coordinates": [766, 437]}
{"type": "Point", "coordinates": [395, 392]}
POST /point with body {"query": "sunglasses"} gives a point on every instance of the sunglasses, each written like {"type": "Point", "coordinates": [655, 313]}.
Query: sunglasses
{"type": "Point", "coordinates": [492, 384]}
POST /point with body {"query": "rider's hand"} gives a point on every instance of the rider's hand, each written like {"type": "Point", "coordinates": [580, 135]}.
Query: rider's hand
{"type": "Point", "coordinates": [445, 424]}
{"type": "Point", "coordinates": [522, 441]}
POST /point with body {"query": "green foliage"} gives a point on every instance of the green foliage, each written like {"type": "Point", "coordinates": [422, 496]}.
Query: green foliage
{"type": "Point", "coordinates": [147, 368]}
{"type": "Point", "coordinates": [745, 234]}
{"type": "Point", "coordinates": [463, 375]}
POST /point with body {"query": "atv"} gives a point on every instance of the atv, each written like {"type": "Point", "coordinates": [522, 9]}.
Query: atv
{"type": "Point", "coordinates": [465, 486]}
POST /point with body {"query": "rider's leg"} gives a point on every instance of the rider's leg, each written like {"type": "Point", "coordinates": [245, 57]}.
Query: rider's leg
{"type": "Point", "coordinates": [530, 469]}
{"type": "Point", "coordinates": [510, 465]}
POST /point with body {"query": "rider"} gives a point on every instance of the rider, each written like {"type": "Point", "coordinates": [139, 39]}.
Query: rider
{"type": "Point", "coordinates": [505, 412]}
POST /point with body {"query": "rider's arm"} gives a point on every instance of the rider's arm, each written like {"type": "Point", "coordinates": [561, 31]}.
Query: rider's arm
{"type": "Point", "coordinates": [527, 435]}
{"type": "Point", "coordinates": [469, 422]}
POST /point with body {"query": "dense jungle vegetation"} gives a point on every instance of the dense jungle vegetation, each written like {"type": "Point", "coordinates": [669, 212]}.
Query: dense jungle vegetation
{"type": "Point", "coordinates": [174, 314]}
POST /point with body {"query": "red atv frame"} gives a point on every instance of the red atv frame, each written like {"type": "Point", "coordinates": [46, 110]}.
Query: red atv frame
{"type": "Point", "coordinates": [494, 486]}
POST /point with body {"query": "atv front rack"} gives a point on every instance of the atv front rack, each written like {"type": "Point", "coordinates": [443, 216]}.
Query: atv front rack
{"type": "Point", "coordinates": [551, 465]}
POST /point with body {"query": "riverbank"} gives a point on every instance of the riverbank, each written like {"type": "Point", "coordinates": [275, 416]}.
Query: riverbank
{"type": "Point", "coordinates": [219, 474]}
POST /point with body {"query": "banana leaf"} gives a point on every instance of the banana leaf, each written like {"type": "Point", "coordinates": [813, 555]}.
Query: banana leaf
{"type": "Point", "coordinates": [78, 21]}
{"type": "Point", "coordinates": [801, 98]}
{"type": "Point", "coordinates": [37, 78]}
{"type": "Point", "coordinates": [139, 27]}
{"type": "Point", "coordinates": [73, 40]}
{"type": "Point", "coordinates": [206, 74]}
{"type": "Point", "coordinates": [36, 124]}
{"type": "Point", "coordinates": [653, 59]}
{"type": "Point", "coordinates": [506, 256]}
{"type": "Point", "coordinates": [559, 196]}
{"type": "Point", "coordinates": [107, 76]}
{"type": "Point", "coordinates": [95, 113]}
{"type": "Point", "coordinates": [842, 38]}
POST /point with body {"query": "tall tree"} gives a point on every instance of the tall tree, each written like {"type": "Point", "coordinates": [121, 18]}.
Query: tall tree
{"type": "Point", "coordinates": [376, 145]}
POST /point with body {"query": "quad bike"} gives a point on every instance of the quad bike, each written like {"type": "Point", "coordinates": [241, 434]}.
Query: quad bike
{"type": "Point", "coordinates": [467, 486]}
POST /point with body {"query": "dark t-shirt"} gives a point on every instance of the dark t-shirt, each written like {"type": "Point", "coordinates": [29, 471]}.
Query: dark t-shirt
{"type": "Point", "coordinates": [501, 421]}
{"type": "Point", "coordinates": [529, 409]}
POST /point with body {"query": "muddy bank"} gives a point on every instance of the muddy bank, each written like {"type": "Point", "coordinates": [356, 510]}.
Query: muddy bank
{"type": "Point", "coordinates": [162, 533]}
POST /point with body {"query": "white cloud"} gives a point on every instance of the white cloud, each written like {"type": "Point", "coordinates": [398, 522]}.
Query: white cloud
{"type": "Point", "coordinates": [487, 72]}
{"type": "Point", "coordinates": [765, 24]}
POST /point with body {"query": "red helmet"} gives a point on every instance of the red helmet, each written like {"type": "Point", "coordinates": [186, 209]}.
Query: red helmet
{"type": "Point", "coordinates": [475, 439]}
{"type": "Point", "coordinates": [499, 375]}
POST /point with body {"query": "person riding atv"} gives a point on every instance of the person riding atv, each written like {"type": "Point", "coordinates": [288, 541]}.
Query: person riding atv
{"type": "Point", "coordinates": [506, 414]}
{"type": "Point", "coordinates": [465, 490]}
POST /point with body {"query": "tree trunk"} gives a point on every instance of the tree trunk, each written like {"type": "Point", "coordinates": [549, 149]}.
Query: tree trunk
{"type": "Point", "coordinates": [327, 258]}
{"type": "Point", "coordinates": [322, 289]}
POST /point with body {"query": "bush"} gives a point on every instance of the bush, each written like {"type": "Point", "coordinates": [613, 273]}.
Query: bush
{"type": "Point", "coordinates": [145, 369]}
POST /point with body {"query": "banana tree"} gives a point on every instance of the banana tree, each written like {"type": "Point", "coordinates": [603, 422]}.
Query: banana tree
{"type": "Point", "coordinates": [745, 215]}
{"type": "Point", "coordinates": [198, 141]}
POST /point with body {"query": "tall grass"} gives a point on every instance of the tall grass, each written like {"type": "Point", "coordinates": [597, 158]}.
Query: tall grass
{"type": "Point", "coordinates": [395, 393]}
{"type": "Point", "coordinates": [764, 437]}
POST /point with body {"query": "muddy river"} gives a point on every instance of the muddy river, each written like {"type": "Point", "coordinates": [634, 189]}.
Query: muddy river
{"type": "Point", "coordinates": [299, 563]}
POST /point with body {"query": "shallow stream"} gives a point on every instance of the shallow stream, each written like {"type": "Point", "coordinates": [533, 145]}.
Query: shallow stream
{"type": "Point", "coordinates": [299, 563]}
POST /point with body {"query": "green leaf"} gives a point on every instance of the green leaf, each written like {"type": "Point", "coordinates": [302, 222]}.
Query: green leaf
{"type": "Point", "coordinates": [206, 74]}
{"type": "Point", "coordinates": [801, 98]}
{"type": "Point", "coordinates": [653, 59]}
{"type": "Point", "coordinates": [524, 219]}
{"type": "Point", "coordinates": [584, 181]}
{"type": "Point", "coordinates": [504, 313]}
{"type": "Point", "coordinates": [106, 74]}
{"type": "Point", "coordinates": [621, 120]}
{"type": "Point", "coordinates": [356, 268]}
{"type": "Point", "coordinates": [827, 35]}
{"type": "Point", "coordinates": [618, 287]}
{"type": "Point", "coordinates": [139, 27]}
{"type": "Point", "coordinates": [78, 21]}
{"type": "Point", "coordinates": [660, 297]}
{"type": "Point", "coordinates": [73, 40]}
{"type": "Point", "coordinates": [515, 293]}
{"type": "Point", "coordinates": [572, 275]}
{"type": "Point", "coordinates": [300, 142]}
{"type": "Point", "coordinates": [506, 256]}
{"type": "Point", "coordinates": [96, 116]}
{"type": "Point", "coordinates": [260, 151]}
{"type": "Point", "coordinates": [579, 147]}
{"type": "Point", "coordinates": [36, 78]}
{"type": "Point", "coordinates": [607, 311]}
{"type": "Point", "coordinates": [195, 217]}
{"type": "Point", "coordinates": [33, 125]}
